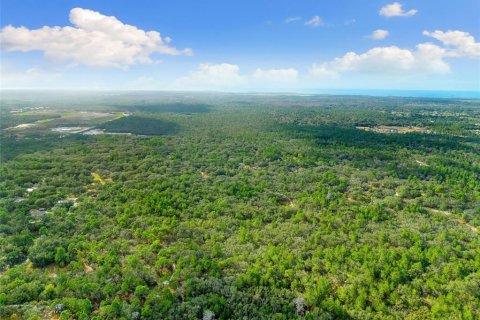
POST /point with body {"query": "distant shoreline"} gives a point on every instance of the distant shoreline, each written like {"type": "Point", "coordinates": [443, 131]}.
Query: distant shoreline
{"type": "Point", "coordinates": [435, 94]}
{"type": "Point", "coordinates": [404, 93]}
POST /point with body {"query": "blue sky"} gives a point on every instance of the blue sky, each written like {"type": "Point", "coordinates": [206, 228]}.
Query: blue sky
{"type": "Point", "coordinates": [241, 46]}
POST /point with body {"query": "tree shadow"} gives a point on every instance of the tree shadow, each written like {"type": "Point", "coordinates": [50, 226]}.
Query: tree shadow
{"type": "Point", "coordinates": [351, 137]}
{"type": "Point", "coordinates": [185, 108]}
{"type": "Point", "coordinates": [141, 125]}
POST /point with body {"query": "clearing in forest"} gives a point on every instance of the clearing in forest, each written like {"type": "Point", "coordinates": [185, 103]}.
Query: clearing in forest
{"type": "Point", "coordinates": [99, 179]}
{"type": "Point", "coordinates": [394, 129]}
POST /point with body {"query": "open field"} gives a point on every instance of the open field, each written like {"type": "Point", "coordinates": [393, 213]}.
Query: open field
{"type": "Point", "coordinates": [60, 121]}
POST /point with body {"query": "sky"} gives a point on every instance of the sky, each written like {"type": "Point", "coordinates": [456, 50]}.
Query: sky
{"type": "Point", "coordinates": [249, 45]}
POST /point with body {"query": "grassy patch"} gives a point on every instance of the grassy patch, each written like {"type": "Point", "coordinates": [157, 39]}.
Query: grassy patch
{"type": "Point", "coordinates": [99, 179]}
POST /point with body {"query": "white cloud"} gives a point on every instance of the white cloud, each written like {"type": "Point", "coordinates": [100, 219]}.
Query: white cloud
{"type": "Point", "coordinates": [323, 70]}
{"type": "Point", "coordinates": [426, 58]}
{"type": "Point", "coordinates": [315, 21]}
{"type": "Point", "coordinates": [94, 40]}
{"type": "Point", "coordinates": [459, 43]}
{"type": "Point", "coordinates": [226, 76]}
{"type": "Point", "coordinates": [395, 10]}
{"type": "Point", "coordinates": [212, 76]}
{"type": "Point", "coordinates": [379, 34]}
{"type": "Point", "coordinates": [276, 75]}
{"type": "Point", "coordinates": [292, 19]}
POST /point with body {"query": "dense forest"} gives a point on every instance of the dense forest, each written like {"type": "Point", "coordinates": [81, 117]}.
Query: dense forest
{"type": "Point", "coordinates": [233, 206]}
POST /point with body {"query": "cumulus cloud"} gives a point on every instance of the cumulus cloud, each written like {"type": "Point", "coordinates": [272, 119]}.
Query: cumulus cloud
{"type": "Point", "coordinates": [227, 76]}
{"type": "Point", "coordinates": [276, 75]}
{"type": "Point", "coordinates": [212, 76]}
{"type": "Point", "coordinates": [292, 19]}
{"type": "Point", "coordinates": [459, 43]}
{"type": "Point", "coordinates": [379, 34]}
{"type": "Point", "coordinates": [426, 58]}
{"type": "Point", "coordinates": [94, 40]}
{"type": "Point", "coordinates": [315, 21]}
{"type": "Point", "coordinates": [395, 10]}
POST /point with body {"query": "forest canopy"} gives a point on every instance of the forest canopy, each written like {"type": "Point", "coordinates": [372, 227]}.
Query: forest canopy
{"type": "Point", "coordinates": [224, 206]}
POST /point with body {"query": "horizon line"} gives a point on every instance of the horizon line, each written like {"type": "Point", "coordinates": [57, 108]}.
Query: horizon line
{"type": "Point", "coordinates": [398, 93]}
